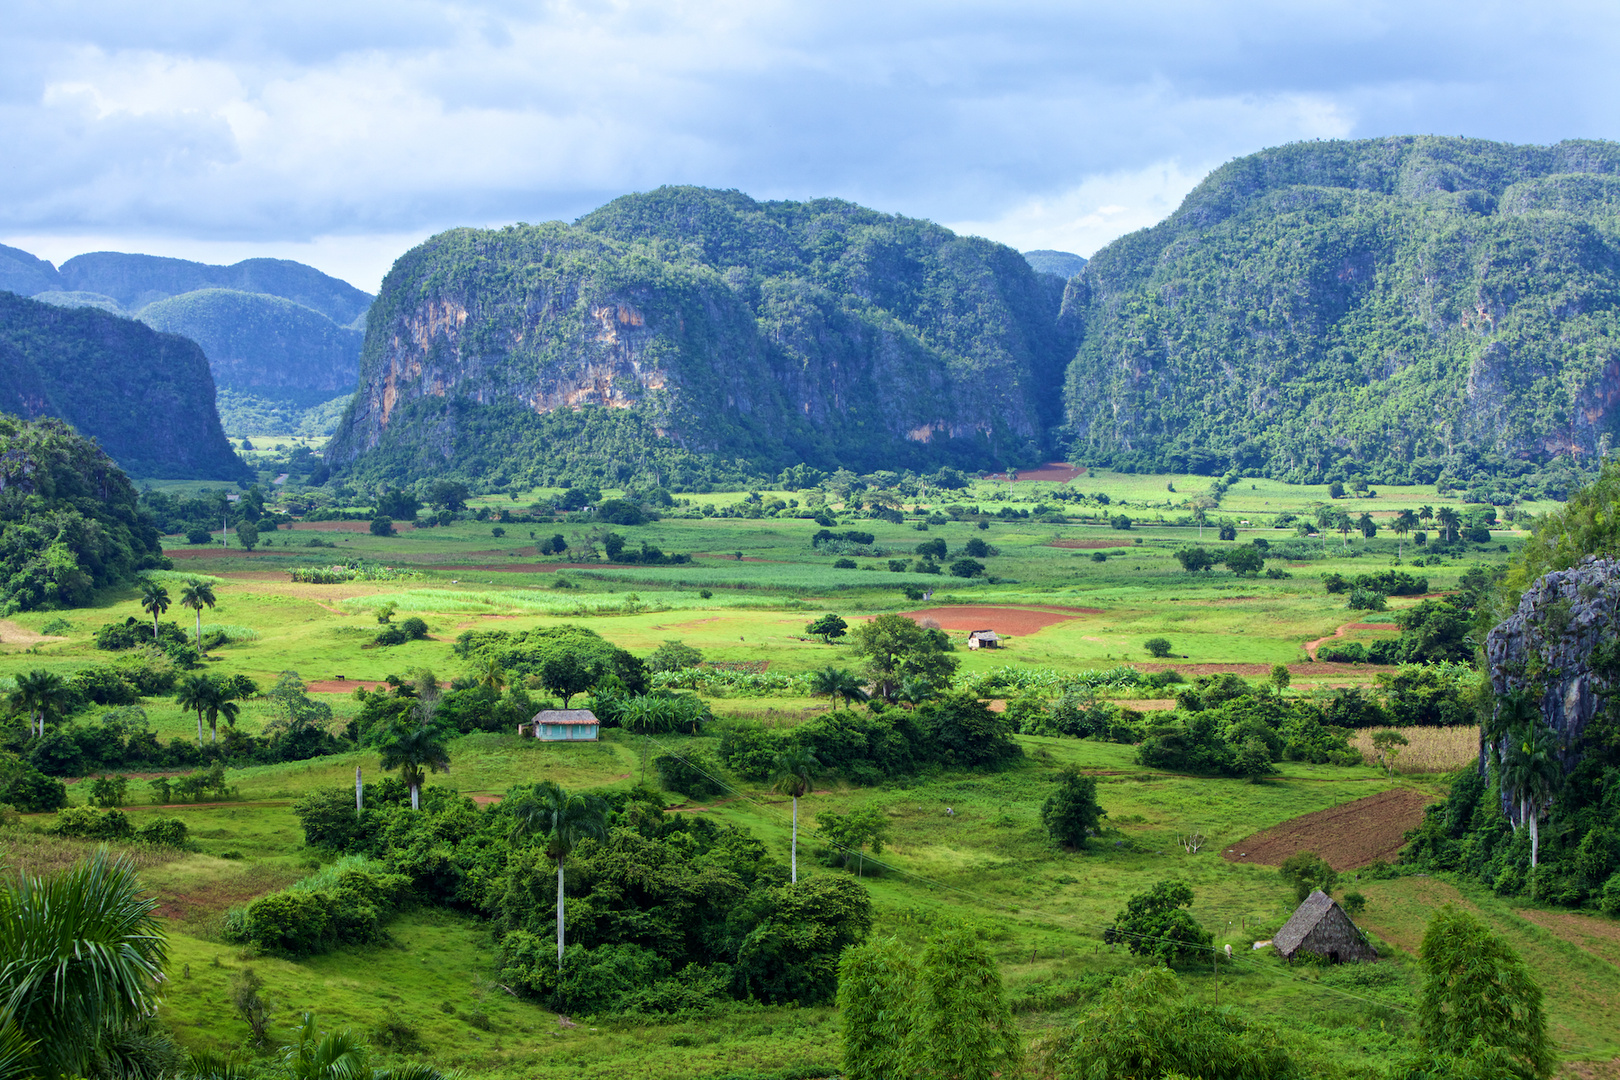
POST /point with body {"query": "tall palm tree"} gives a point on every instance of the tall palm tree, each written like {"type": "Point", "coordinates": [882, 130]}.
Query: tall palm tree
{"type": "Point", "coordinates": [1324, 522]}
{"type": "Point", "coordinates": [198, 693]}
{"type": "Point", "coordinates": [837, 683]}
{"type": "Point", "coordinates": [561, 821]}
{"type": "Point", "coordinates": [415, 746]}
{"type": "Point", "coordinates": [197, 595]}
{"type": "Point", "coordinates": [1531, 770]}
{"type": "Point", "coordinates": [795, 771]}
{"type": "Point", "coordinates": [154, 601]}
{"type": "Point", "coordinates": [1425, 515]}
{"type": "Point", "coordinates": [492, 675]}
{"type": "Point", "coordinates": [1449, 520]}
{"type": "Point", "coordinates": [222, 705]}
{"type": "Point", "coordinates": [1341, 522]}
{"type": "Point", "coordinates": [1403, 524]}
{"type": "Point", "coordinates": [83, 963]}
{"type": "Point", "coordinates": [40, 693]}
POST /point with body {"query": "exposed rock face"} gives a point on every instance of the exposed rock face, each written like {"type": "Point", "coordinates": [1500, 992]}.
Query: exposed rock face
{"type": "Point", "coordinates": [777, 332]}
{"type": "Point", "coordinates": [1549, 643]}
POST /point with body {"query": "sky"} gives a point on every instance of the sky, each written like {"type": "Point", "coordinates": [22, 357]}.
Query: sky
{"type": "Point", "coordinates": [342, 132]}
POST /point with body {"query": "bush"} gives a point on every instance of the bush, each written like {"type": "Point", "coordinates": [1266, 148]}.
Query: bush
{"type": "Point", "coordinates": [382, 526]}
{"type": "Point", "coordinates": [689, 775]}
{"type": "Point", "coordinates": [1367, 600]}
{"type": "Point", "coordinates": [81, 822]}
{"type": "Point", "coordinates": [1307, 871]}
{"type": "Point", "coordinates": [1157, 647]}
{"type": "Point", "coordinates": [844, 564]}
{"type": "Point", "coordinates": [163, 832]}
{"type": "Point", "coordinates": [290, 923]}
{"type": "Point", "coordinates": [1072, 813]}
{"type": "Point", "coordinates": [1157, 924]}
{"type": "Point", "coordinates": [32, 792]}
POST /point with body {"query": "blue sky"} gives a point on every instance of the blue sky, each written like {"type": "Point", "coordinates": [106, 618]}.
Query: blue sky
{"type": "Point", "coordinates": [340, 133]}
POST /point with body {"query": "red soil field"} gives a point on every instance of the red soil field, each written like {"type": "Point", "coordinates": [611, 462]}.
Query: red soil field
{"type": "Point", "coordinates": [342, 686]}
{"type": "Point", "coordinates": [1003, 620]}
{"type": "Point", "coordinates": [1089, 545]}
{"type": "Point", "coordinates": [1053, 472]}
{"type": "Point", "coordinates": [1347, 836]}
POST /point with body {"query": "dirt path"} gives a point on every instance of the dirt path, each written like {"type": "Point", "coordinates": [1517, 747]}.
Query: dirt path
{"type": "Point", "coordinates": [1312, 646]}
{"type": "Point", "coordinates": [1350, 835]}
{"type": "Point", "coordinates": [12, 634]}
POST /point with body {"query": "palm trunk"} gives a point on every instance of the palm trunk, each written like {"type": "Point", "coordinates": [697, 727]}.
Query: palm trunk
{"type": "Point", "coordinates": [795, 856]}
{"type": "Point", "coordinates": [1535, 835]}
{"type": "Point", "coordinates": [559, 913]}
{"type": "Point", "coordinates": [416, 791]}
{"type": "Point", "coordinates": [199, 629]}
{"type": "Point", "coordinates": [359, 793]}
{"type": "Point", "coordinates": [199, 727]}
{"type": "Point", "coordinates": [154, 626]}
{"type": "Point", "coordinates": [213, 730]}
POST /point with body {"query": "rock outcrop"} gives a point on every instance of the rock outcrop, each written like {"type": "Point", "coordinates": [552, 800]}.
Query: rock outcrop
{"type": "Point", "coordinates": [1547, 647]}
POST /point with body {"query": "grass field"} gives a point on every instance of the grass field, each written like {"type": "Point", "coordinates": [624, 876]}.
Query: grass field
{"type": "Point", "coordinates": [987, 862]}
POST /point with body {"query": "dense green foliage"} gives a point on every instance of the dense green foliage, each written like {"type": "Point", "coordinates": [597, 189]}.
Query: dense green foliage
{"type": "Point", "coordinates": [667, 913]}
{"type": "Point", "coordinates": [1157, 924]}
{"type": "Point", "coordinates": [263, 345]}
{"type": "Point", "coordinates": [1412, 309]}
{"type": "Point", "coordinates": [731, 334]}
{"type": "Point", "coordinates": [146, 397]}
{"type": "Point", "coordinates": [69, 519]}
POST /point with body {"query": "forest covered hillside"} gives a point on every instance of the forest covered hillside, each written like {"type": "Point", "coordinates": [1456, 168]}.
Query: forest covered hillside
{"type": "Point", "coordinates": [138, 280]}
{"type": "Point", "coordinates": [145, 396]}
{"type": "Point", "coordinates": [1408, 309]}
{"type": "Point", "coordinates": [708, 331]}
{"type": "Point", "coordinates": [263, 345]}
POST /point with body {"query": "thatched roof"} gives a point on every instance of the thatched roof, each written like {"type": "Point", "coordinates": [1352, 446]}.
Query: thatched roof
{"type": "Point", "coordinates": [565, 716]}
{"type": "Point", "coordinates": [1320, 926]}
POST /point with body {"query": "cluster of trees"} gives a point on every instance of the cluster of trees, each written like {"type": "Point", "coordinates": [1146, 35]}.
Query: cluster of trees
{"type": "Point", "coordinates": [1432, 631]}
{"type": "Point", "coordinates": [602, 902]}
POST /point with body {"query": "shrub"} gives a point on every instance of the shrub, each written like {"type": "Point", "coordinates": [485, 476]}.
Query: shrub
{"type": "Point", "coordinates": [163, 832]}
{"type": "Point", "coordinates": [1157, 924]}
{"type": "Point", "coordinates": [1307, 871]}
{"type": "Point", "coordinates": [1157, 646]}
{"type": "Point", "coordinates": [844, 564]}
{"type": "Point", "coordinates": [690, 775]}
{"type": "Point", "coordinates": [84, 823]}
{"type": "Point", "coordinates": [291, 923]}
{"type": "Point", "coordinates": [1367, 600]}
{"type": "Point", "coordinates": [108, 791]}
{"type": "Point", "coordinates": [382, 526]}
{"type": "Point", "coordinates": [1071, 813]}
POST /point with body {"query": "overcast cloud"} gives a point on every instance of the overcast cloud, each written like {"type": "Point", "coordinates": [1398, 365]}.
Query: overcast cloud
{"type": "Point", "coordinates": [341, 133]}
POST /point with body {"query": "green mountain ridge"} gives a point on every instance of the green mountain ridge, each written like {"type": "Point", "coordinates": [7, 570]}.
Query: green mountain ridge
{"type": "Point", "coordinates": [687, 324]}
{"type": "Point", "coordinates": [263, 345]}
{"type": "Point", "coordinates": [138, 280]}
{"type": "Point", "coordinates": [1406, 309]}
{"type": "Point", "coordinates": [146, 397]}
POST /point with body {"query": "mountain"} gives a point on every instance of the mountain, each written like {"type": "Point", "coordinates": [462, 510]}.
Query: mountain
{"type": "Point", "coordinates": [146, 397]}
{"type": "Point", "coordinates": [1064, 264]}
{"type": "Point", "coordinates": [263, 345]}
{"type": "Point", "coordinates": [1404, 309]}
{"type": "Point", "coordinates": [138, 280]}
{"type": "Point", "coordinates": [24, 274]}
{"type": "Point", "coordinates": [671, 330]}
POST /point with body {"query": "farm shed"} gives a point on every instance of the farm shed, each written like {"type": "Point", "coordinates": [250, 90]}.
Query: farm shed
{"type": "Point", "coordinates": [983, 639]}
{"type": "Point", "coordinates": [1321, 927]}
{"type": "Point", "coordinates": [564, 725]}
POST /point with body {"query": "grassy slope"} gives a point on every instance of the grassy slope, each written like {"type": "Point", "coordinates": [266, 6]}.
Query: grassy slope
{"type": "Point", "coordinates": [988, 862]}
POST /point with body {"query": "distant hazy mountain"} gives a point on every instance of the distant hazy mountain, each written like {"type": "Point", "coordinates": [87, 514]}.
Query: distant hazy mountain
{"type": "Point", "coordinates": [146, 397]}
{"type": "Point", "coordinates": [24, 274]}
{"type": "Point", "coordinates": [63, 298]}
{"type": "Point", "coordinates": [263, 345]}
{"type": "Point", "coordinates": [138, 280]}
{"type": "Point", "coordinates": [705, 323]}
{"type": "Point", "coordinates": [1062, 263]}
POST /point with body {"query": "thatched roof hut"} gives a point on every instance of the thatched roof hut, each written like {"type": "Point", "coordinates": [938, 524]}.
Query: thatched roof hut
{"type": "Point", "coordinates": [1321, 927]}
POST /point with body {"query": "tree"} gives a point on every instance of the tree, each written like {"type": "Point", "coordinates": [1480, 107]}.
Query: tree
{"type": "Point", "coordinates": [564, 673]}
{"type": "Point", "coordinates": [1245, 561]}
{"type": "Point", "coordinates": [966, 568]}
{"type": "Point", "coordinates": [1449, 520]}
{"type": "Point", "coordinates": [415, 746]}
{"type": "Point", "coordinates": [40, 694]}
{"type": "Point", "coordinates": [942, 1013]}
{"type": "Point", "coordinates": [83, 969]}
{"type": "Point", "coordinates": [1341, 524]}
{"type": "Point", "coordinates": [1157, 647]}
{"type": "Point", "coordinates": [561, 821]}
{"type": "Point", "coordinates": [1307, 871]}
{"type": "Point", "coordinates": [1195, 559]}
{"type": "Point", "coordinates": [1280, 678]}
{"type": "Point", "coordinates": [827, 628]}
{"type": "Point", "coordinates": [837, 682]}
{"type": "Point", "coordinates": [247, 535]}
{"type": "Point", "coordinates": [794, 773]}
{"type": "Point", "coordinates": [1336, 490]}
{"type": "Point", "coordinates": [1071, 813]}
{"type": "Point", "coordinates": [1425, 515]}
{"type": "Point", "coordinates": [1530, 769]}
{"type": "Point", "coordinates": [154, 601]}
{"type": "Point", "coordinates": [221, 705]}
{"type": "Point", "coordinates": [897, 649]}
{"type": "Point", "coordinates": [447, 495]}
{"type": "Point", "coordinates": [197, 595]}
{"type": "Point", "coordinates": [1155, 923]}
{"type": "Point", "coordinates": [1404, 523]}
{"type": "Point", "coordinates": [1368, 527]}
{"type": "Point", "coordinates": [1478, 1000]}
{"type": "Point", "coordinates": [381, 526]}
{"type": "Point", "coordinates": [848, 833]}
{"type": "Point", "coordinates": [1387, 745]}
{"type": "Point", "coordinates": [976, 548]}
{"type": "Point", "coordinates": [198, 693]}
{"type": "Point", "coordinates": [674, 655]}
{"type": "Point", "coordinates": [491, 674]}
